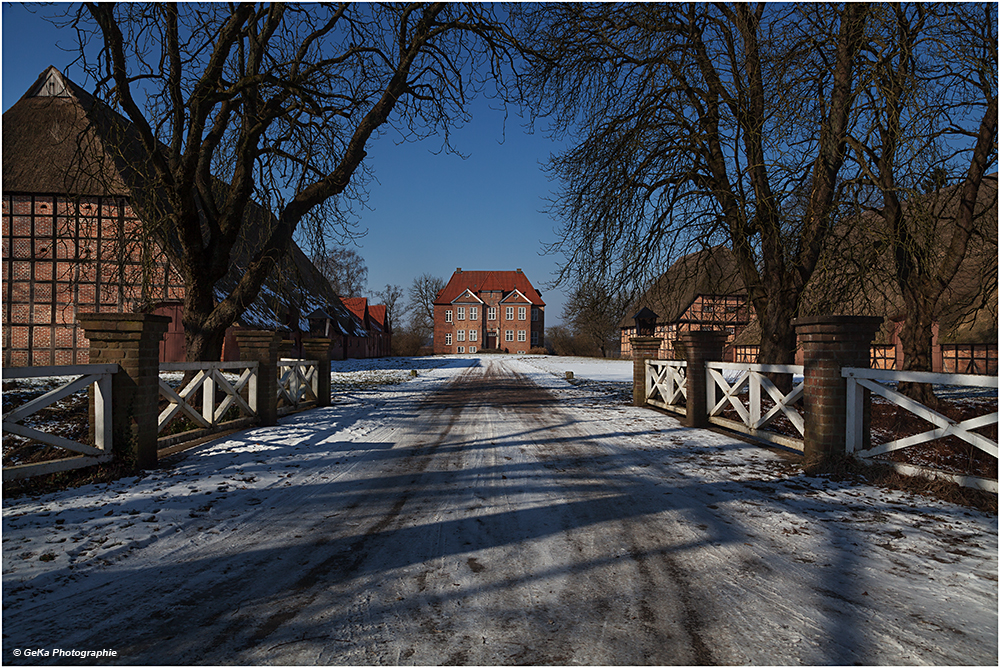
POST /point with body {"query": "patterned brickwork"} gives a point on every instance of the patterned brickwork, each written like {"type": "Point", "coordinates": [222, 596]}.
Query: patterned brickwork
{"type": "Point", "coordinates": [65, 256]}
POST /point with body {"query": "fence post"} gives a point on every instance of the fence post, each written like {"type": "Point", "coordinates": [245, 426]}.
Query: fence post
{"type": "Point", "coordinates": [828, 344]}
{"type": "Point", "coordinates": [132, 341]}
{"type": "Point", "coordinates": [699, 348]}
{"type": "Point", "coordinates": [261, 346]}
{"type": "Point", "coordinates": [322, 350]}
{"type": "Point", "coordinates": [643, 348]}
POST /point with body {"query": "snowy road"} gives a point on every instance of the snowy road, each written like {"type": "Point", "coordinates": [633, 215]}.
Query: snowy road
{"type": "Point", "coordinates": [490, 513]}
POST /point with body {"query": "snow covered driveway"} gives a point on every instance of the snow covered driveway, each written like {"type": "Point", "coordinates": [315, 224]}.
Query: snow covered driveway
{"type": "Point", "coordinates": [488, 512]}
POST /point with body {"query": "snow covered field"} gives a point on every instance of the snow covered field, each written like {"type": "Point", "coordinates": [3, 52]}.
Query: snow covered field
{"type": "Point", "coordinates": [780, 567]}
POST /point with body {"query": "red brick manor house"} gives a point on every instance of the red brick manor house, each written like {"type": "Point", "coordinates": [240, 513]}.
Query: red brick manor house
{"type": "Point", "coordinates": [488, 309]}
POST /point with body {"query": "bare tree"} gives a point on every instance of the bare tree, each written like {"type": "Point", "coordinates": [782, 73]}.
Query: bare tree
{"type": "Point", "coordinates": [595, 313]}
{"type": "Point", "coordinates": [423, 291]}
{"type": "Point", "coordinates": [345, 269]}
{"type": "Point", "coordinates": [395, 310]}
{"type": "Point", "coordinates": [273, 103]}
{"type": "Point", "coordinates": [697, 124]}
{"type": "Point", "coordinates": [929, 116]}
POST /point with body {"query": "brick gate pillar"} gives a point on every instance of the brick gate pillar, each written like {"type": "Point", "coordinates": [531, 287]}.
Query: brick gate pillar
{"type": "Point", "coordinates": [699, 348]}
{"type": "Point", "coordinates": [643, 348]}
{"type": "Point", "coordinates": [132, 341]}
{"type": "Point", "coordinates": [829, 343]}
{"type": "Point", "coordinates": [261, 346]}
{"type": "Point", "coordinates": [322, 350]}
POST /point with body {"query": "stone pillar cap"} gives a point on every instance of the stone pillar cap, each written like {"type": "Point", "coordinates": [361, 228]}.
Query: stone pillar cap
{"type": "Point", "coordinates": [874, 321]}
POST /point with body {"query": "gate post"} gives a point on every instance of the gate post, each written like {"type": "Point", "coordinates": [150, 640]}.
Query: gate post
{"type": "Point", "coordinates": [700, 347]}
{"type": "Point", "coordinates": [828, 344]}
{"type": "Point", "coordinates": [132, 341]}
{"type": "Point", "coordinates": [322, 350]}
{"type": "Point", "coordinates": [643, 348]}
{"type": "Point", "coordinates": [261, 346]}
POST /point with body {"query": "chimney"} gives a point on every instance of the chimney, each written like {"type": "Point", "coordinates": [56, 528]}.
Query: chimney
{"type": "Point", "coordinates": [458, 271]}
{"type": "Point", "coordinates": [519, 270]}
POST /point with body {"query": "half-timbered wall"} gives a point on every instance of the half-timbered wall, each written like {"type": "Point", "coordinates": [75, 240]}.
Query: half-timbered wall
{"type": "Point", "coordinates": [63, 256]}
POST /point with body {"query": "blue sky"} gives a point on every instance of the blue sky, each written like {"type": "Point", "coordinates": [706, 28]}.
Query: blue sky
{"type": "Point", "coordinates": [430, 213]}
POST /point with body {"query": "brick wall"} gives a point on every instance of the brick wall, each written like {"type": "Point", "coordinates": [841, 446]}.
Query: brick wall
{"type": "Point", "coordinates": [64, 256]}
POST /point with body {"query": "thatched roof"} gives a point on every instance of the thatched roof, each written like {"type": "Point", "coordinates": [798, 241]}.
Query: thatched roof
{"type": "Point", "coordinates": [711, 271]}
{"type": "Point", "coordinates": [58, 139]}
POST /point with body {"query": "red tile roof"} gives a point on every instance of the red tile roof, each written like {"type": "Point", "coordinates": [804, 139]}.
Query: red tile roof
{"type": "Point", "coordinates": [479, 281]}
{"type": "Point", "coordinates": [377, 313]}
{"type": "Point", "coordinates": [357, 306]}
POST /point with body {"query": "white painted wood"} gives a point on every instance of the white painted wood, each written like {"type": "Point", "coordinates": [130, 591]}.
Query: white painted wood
{"type": "Point", "coordinates": [794, 369]}
{"type": "Point", "coordinates": [49, 398]}
{"type": "Point", "coordinates": [20, 373]}
{"type": "Point", "coordinates": [50, 439]}
{"type": "Point", "coordinates": [42, 468]}
{"type": "Point", "coordinates": [963, 379]}
{"type": "Point", "coordinates": [102, 413]}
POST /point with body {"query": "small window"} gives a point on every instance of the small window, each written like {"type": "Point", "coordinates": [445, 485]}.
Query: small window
{"type": "Point", "coordinates": [461, 335]}
{"type": "Point", "coordinates": [522, 313]}
{"type": "Point", "coordinates": [447, 315]}
{"type": "Point", "coordinates": [447, 339]}
{"type": "Point", "coordinates": [461, 349]}
{"type": "Point", "coordinates": [522, 335]}
{"type": "Point", "coordinates": [510, 312]}
{"type": "Point", "coordinates": [472, 349]}
{"type": "Point", "coordinates": [509, 335]}
{"type": "Point", "coordinates": [535, 311]}
{"type": "Point", "coordinates": [473, 313]}
{"type": "Point", "coordinates": [491, 314]}
{"type": "Point", "coordinates": [461, 313]}
{"type": "Point", "coordinates": [473, 334]}
{"type": "Point", "coordinates": [534, 338]}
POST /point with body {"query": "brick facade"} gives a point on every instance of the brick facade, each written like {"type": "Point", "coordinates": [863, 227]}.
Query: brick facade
{"type": "Point", "coordinates": [488, 309]}
{"type": "Point", "coordinates": [66, 256]}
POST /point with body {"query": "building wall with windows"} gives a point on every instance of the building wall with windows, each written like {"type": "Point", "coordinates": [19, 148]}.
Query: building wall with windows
{"type": "Point", "coordinates": [494, 310]}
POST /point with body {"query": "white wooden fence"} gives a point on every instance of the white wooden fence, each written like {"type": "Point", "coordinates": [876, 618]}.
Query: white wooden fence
{"type": "Point", "coordinates": [298, 384]}
{"type": "Point", "coordinates": [859, 380]}
{"type": "Point", "coordinates": [209, 417]}
{"type": "Point", "coordinates": [98, 375]}
{"type": "Point", "coordinates": [753, 419]}
{"type": "Point", "coordinates": [666, 384]}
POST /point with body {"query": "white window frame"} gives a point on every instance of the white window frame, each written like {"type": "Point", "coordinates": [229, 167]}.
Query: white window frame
{"type": "Point", "coordinates": [472, 349]}
{"type": "Point", "coordinates": [461, 335]}
{"type": "Point", "coordinates": [473, 334]}
{"type": "Point", "coordinates": [473, 313]}
{"type": "Point", "coordinates": [447, 339]}
{"type": "Point", "coordinates": [461, 313]}
{"type": "Point", "coordinates": [447, 315]}
{"type": "Point", "coordinates": [522, 335]}
{"type": "Point", "coordinates": [461, 349]}
{"type": "Point", "coordinates": [509, 335]}
{"type": "Point", "coordinates": [522, 312]}
{"type": "Point", "coordinates": [510, 313]}
{"type": "Point", "coordinates": [491, 313]}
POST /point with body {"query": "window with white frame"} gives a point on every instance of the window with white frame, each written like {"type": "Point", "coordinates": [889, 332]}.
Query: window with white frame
{"type": "Point", "coordinates": [491, 313]}
{"type": "Point", "coordinates": [461, 313]}
{"type": "Point", "coordinates": [461, 335]}
{"type": "Point", "coordinates": [522, 313]}
{"type": "Point", "coordinates": [522, 335]}
{"type": "Point", "coordinates": [473, 313]}
{"type": "Point", "coordinates": [447, 315]}
{"type": "Point", "coordinates": [534, 338]}
{"type": "Point", "coordinates": [509, 335]}
{"type": "Point", "coordinates": [535, 312]}
{"type": "Point", "coordinates": [461, 349]}
{"type": "Point", "coordinates": [510, 312]}
{"type": "Point", "coordinates": [472, 349]}
{"type": "Point", "coordinates": [447, 339]}
{"type": "Point", "coordinates": [473, 334]}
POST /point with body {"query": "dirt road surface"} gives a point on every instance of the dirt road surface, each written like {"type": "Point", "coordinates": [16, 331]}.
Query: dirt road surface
{"type": "Point", "coordinates": [486, 524]}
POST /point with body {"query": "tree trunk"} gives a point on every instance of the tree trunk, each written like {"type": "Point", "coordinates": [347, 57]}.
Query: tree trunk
{"type": "Point", "coordinates": [917, 338]}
